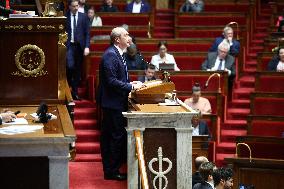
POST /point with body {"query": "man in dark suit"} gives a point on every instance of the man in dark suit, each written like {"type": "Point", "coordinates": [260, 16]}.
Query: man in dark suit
{"type": "Point", "coordinates": [138, 6]}
{"type": "Point", "coordinates": [221, 61]}
{"type": "Point", "coordinates": [78, 44]}
{"type": "Point", "coordinates": [114, 88]}
{"type": "Point", "coordinates": [199, 127]}
{"type": "Point", "coordinates": [206, 170]}
{"type": "Point", "coordinates": [134, 60]}
{"type": "Point", "coordinates": [149, 74]}
{"type": "Point", "coordinates": [108, 6]}
{"type": "Point", "coordinates": [227, 36]}
{"type": "Point", "coordinates": [196, 177]}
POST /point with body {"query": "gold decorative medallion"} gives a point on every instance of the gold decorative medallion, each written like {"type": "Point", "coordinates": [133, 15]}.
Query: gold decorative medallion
{"type": "Point", "coordinates": [30, 61]}
{"type": "Point", "coordinates": [61, 27]}
{"type": "Point", "coordinates": [62, 38]}
{"type": "Point", "coordinates": [30, 27]}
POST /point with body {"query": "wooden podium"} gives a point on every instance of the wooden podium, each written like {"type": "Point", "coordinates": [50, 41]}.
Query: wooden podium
{"type": "Point", "coordinates": [32, 70]}
{"type": "Point", "coordinates": [168, 127]}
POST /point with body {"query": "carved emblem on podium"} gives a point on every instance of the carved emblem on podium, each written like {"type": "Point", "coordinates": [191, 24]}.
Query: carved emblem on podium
{"type": "Point", "coordinates": [30, 61]}
{"type": "Point", "coordinates": [160, 174]}
{"type": "Point", "coordinates": [62, 38]}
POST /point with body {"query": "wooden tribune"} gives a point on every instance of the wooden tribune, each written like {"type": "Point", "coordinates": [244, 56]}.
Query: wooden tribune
{"type": "Point", "coordinates": [32, 70]}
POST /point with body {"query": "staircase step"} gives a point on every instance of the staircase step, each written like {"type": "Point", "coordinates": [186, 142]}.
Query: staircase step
{"type": "Point", "coordinates": [82, 92]}
{"type": "Point", "coordinates": [251, 62]}
{"type": "Point", "coordinates": [163, 30]}
{"type": "Point", "coordinates": [230, 135]}
{"type": "Point", "coordinates": [163, 35]}
{"type": "Point", "coordinates": [261, 34]}
{"type": "Point", "coordinates": [242, 93]}
{"type": "Point", "coordinates": [247, 82]}
{"type": "Point", "coordinates": [88, 157]}
{"type": "Point", "coordinates": [163, 22]}
{"type": "Point", "coordinates": [88, 135]}
{"type": "Point", "coordinates": [221, 156]}
{"type": "Point", "coordinates": [88, 148]}
{"type": "Point", "coordinates": [85, 113]}
{"type": "Point", "coordinates": [250, 70]}
{"type": "Point", "coordinates": [238, 113]}
{"type": "Point", "coordinates": [257, 41]}
{"type": "Point", "coordinates": [226, 147]}
{"type": "Point", "coordinates": [234, 124]}
{"type": "Point", "coordinates": [240, 103]}
{"type": "Point", "coordinates": [85, 103]}
{"type": "Point", "coordinates": [85, 124]}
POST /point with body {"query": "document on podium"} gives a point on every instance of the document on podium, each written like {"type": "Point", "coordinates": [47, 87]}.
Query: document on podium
{"type": "Point", "coordinates": [19, 129]}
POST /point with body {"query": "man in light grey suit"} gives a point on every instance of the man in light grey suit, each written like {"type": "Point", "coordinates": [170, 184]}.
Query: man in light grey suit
{"type": "Point", "coordinates": [221, 61]}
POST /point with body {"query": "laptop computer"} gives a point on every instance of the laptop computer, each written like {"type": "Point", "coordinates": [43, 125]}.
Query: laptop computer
{"type": "Point", "coordinates": [167, 66]}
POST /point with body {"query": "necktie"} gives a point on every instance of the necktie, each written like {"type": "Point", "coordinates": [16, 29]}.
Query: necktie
{"type": "Point", "coordinates": [125, 67]}
{"type": "Point", "coordinates": [220, 65]}
{"type": "Point", "coordinates": [74, 28]}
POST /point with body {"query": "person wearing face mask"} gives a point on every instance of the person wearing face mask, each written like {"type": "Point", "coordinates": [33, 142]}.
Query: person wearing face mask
{"type": "Point", "coordinates": [192, 6]}
{"type": "Point", "coordinates": [277, 62]}
{"type": "Point", "coordinates": [228, 36]}
{"type": "Point", "coordinates": [163, 56]}
{"type": "Point", "coordinates": [197, 102]}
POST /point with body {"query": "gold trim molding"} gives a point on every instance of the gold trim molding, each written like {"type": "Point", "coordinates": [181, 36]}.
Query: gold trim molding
{"type": "Point", "coordinates": [45, 27]}
{"type": "Point", "coordinates": [14, 27]}
{"type": "Point", "coordinates": [30, 61]}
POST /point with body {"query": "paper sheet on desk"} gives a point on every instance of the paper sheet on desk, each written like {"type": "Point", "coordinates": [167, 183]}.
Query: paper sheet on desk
{"type": "Point", "coordinates": [19, 129]}
{"type": "Point", "coordinates": [34, 115]}
{"type": "Point", "coordinates": [17, 121]}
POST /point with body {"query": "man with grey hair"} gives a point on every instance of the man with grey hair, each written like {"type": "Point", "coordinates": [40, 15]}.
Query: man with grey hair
{"type": "Point", "coordinates": [114, 88]}
{"type": "Point", "coordinates": [221, 61]}
{"type": "Point", "coordinates": [196, 177]}
{"type": "Point", "coordinates": [228, 34]}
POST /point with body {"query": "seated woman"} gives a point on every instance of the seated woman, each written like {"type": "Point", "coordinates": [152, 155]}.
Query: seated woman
{"type": "Point", "coordinates": [277, 62]}
{"type": "Point", "coordinates": [163, 56]}
{"type": "Point", "coordinates": [95, 20]}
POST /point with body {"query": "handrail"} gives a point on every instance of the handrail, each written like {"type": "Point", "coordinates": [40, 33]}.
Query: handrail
{"type": "Point", "coordinates": [242, 143]}
{"type": "Point", "coordinates": [141, 160]}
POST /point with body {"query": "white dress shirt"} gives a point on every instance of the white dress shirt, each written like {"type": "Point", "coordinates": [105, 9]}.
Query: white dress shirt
{"type": "Point", "coordinates": [195, 131]}
{"type": "Point", "coordinates": [136, 7]}
{"type": "Point", "coordinates": [217, 62]}
{"type": "Point", "coordinates": [156, 60]}
{"type": "Point", "coordinates": [97, 21]}
{"type": "Point", "coordinates": [280, 66]}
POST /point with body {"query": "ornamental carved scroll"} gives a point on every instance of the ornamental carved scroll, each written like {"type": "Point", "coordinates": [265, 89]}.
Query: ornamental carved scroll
{"type": "Point", "coordinates": [30, 61]}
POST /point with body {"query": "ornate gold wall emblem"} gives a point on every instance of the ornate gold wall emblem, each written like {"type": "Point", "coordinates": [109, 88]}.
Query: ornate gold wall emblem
{"type": "Point", "coordinates": [62, 38]}
{"type": "Point", "coordinates": [30, 61]}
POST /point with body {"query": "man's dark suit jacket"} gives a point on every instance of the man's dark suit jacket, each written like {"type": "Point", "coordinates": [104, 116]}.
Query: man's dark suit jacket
{"type": "Point", "coordinates": [196, 178]}
{"type": "Point", "coordinates": [203, 128]}
{"type": "Point", "coordinates": [211, 59]}
{"type": "Point", "coordinates": [114, 86]}
{"type": "Point", "coordinates": [203, 185]}
{"type": "Point", "coordinates": [272, 65]}
{"type": "Point", "coordinates": [82, 30]}
{"type": "Point", "coordinates": [234, 49]}
{"type": "Point", "coordinates": [145, 7]}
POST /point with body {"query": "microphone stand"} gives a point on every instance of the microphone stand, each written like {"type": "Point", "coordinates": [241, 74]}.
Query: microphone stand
{"type": "Point", "coordinates": [219, 81]}
{"type": "Point", "coordinates": [166, 75]}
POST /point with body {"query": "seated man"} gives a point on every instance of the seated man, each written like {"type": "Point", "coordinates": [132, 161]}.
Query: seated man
{"type": "Point", "coordinates": [223, 178]}
{"type": "Point", "coordinates": [277, 62]}
{"type": "Point", "coordinates": [197, 102]}
{"type": "Point", "coordinates": [221, 61]}
{"type": "Point", "coordinates": [138, 6]}
{"type": "Point", "coordinates": [7, 117]}
{"type": "Point", "coordinates": [149, 74]}
{"type": "Point", "coordinates": [199, 127]}
{"type": "Point", "coordinates": [192, 6]}
{"type": "Point", "coordinates": [196, 177]}
{"type": "Point", "coordinates": [134, 61]}
{"type": "Point", "coordinates": [108, 6]}
{"type": "Point", "coordinates": [227, 36]}
{"type": "Point", "coordinates": [206, 170]}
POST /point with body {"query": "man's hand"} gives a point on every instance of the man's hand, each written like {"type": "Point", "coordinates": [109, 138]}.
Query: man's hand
{"type": "Point", "coordinates": [86, 51]}
{"type": "Point", "coordinates": [8, 117]}
{"type": "Point", "coordinates": [136, 85]}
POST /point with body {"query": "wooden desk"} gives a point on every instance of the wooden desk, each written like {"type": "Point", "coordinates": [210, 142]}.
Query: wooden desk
{"type": "Point", "coordinates": [38, 159]}
{"type": "Point", "coordinates": [262, 173]}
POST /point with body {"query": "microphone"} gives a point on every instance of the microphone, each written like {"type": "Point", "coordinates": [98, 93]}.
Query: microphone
{"type": "Point", "coordinates": [219, 81]}
{"type": "Point", "coordinates": [42, 114]}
